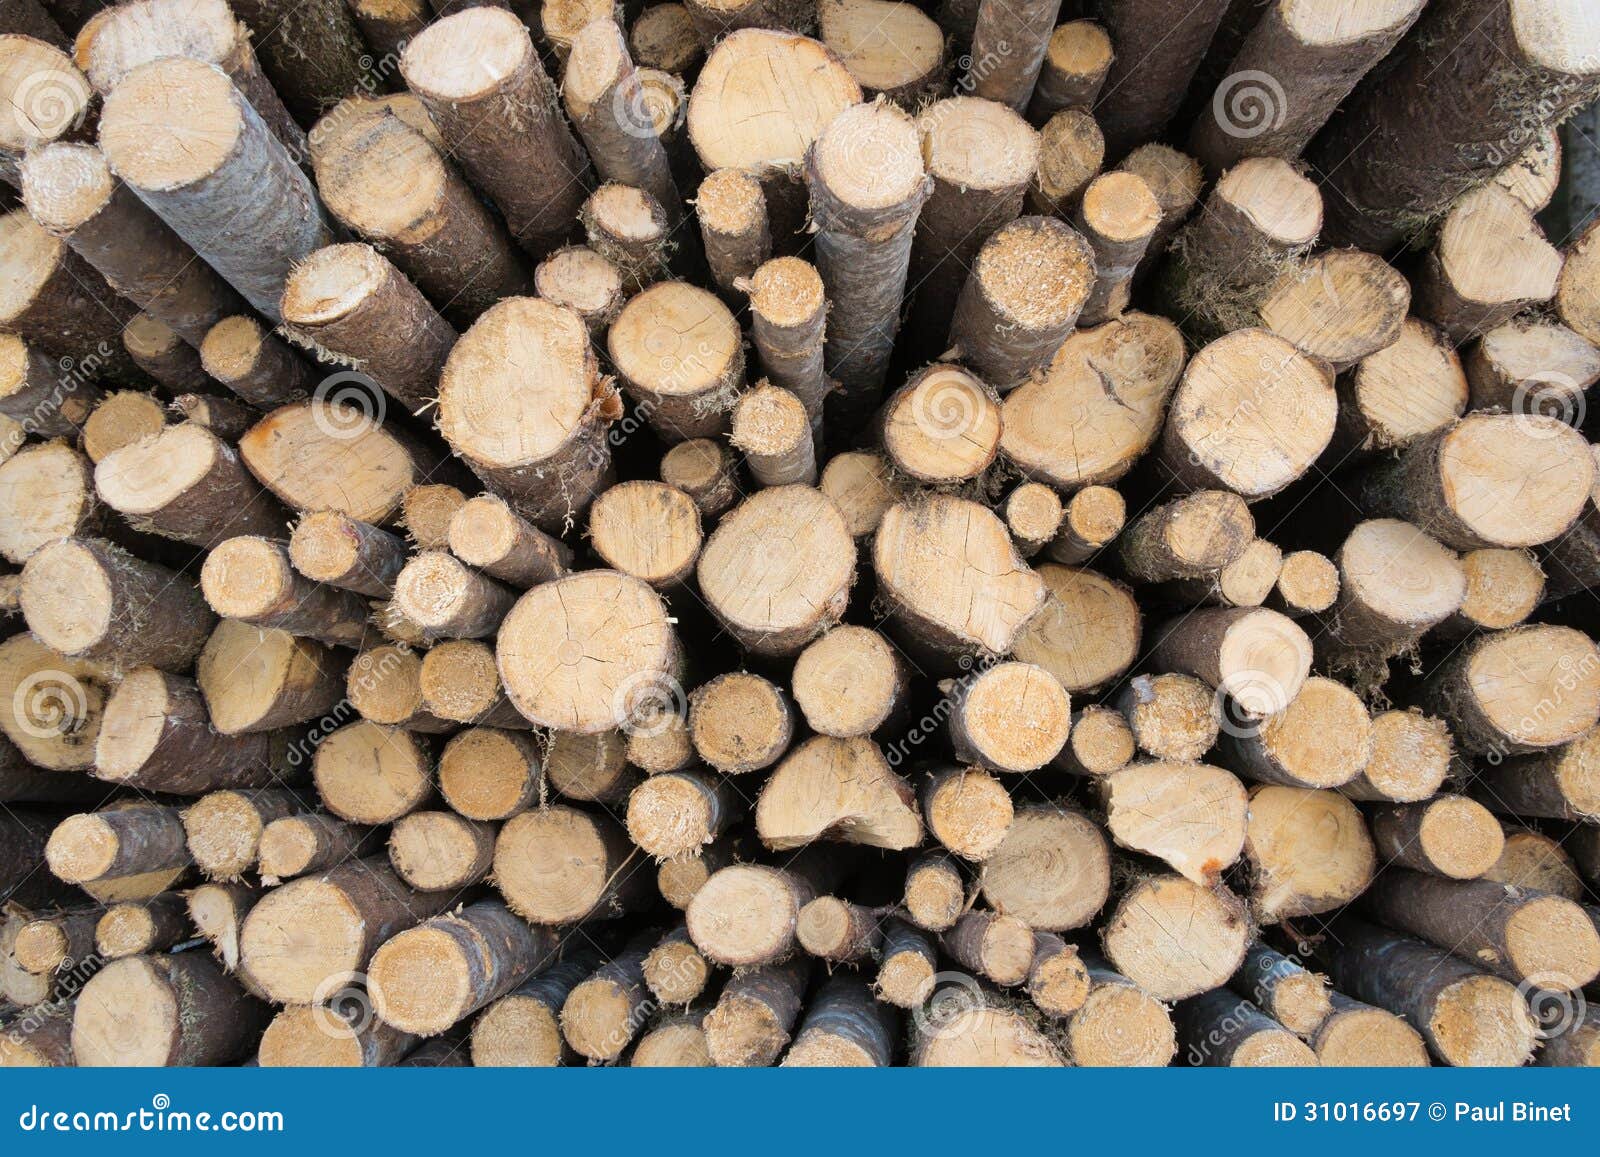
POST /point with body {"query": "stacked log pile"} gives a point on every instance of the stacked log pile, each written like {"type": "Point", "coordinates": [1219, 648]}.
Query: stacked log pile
{"type": "Point", "coordinates": [798, 534]}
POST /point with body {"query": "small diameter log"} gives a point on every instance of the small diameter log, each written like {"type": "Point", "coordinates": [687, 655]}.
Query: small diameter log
{"type": "Point", "coordinates": [1190, 815]}
{"type": "Point", "coordinates": [439, 851]}
{"type": "Point", "coordinates": [1052, 871]}
{"type": "Point", "coordinates": [677, 813]}
{"type": "Point", "coordinates": [1259, 657]}
{"type": "Point", "coordinates": [179, 1011]}
{"type": "Point", "coordinates": [1068, 429]}
{"type": "Point", "coordinates": [631, 230]}
{"type": "Point", "coordinates": [1071, 152]}
{"type": "Point", "coordinates": [863, 487]}
{"type": "Point", "coordinates": [838, 931]}
{"type": "Point", "coordinates": [1490, 262]}
{"type": "Point", "coordinates": [755, 1016]}
{"type": "Point", "coordinates": [587, 652]}
{"type": "Point", "coordinates": [559, 865]}
{"type": "Point", "coordinates": [369, 774]}
{"type": "Point", "coordinates": [1321, 738]}
{"type": "Point", "coordinates": [459, 682]}
{"type": "Point", "coordinates": [674, 970]}
{"type": "Point", "coordinates": [57, 942]}
{"type": "Point", "coordinates": [39, 396]}
{"type": "Point", "coordinates": [131, 852]}
{"type": "Point", "coordinates": [837, 789]}
{"type": "Point", "coordinates": [388, 24]}
{"type": "Point", "coordinates": [659, 741]}
{"type": "Point", "coordinates": [1518, 690]}
{"type": "Point", "coordinates": [1294, 68]}
{"type": "Point", "coordinates": [1529, 938]}
{"type": "Point", "coordinates": [663, 37]}
{"type": "Point", "coordinates": [1356, 1034]}
{"type": "Point", "coordinates": [1221, 1028]}
{"type": "Point", "coordinates": [336, 550]}
{"type": "Point", "coordinates": [893, 49]}
{"type": "Point", "coordinates": [69, 189]}
{"type": "Point", "coordinates": [1251, 415]}
{"type": "Point", "coordinates": [577, 277]}
{"type": "Point", "coordinates": [1177, 181]}
{"type": "Point", "coordinates": [1119, 1024]}
{"type": "Point", "coordinates": [1283, 988]}
{"type": "Point", "coordinates": [1171, 716]}
{"type": "Point", "coordinates": [50, 706]}
{"type": "Point", "coordinates": [771, 428]}
{"type": "Point", "coordinates": [867, 184]}
{"type": "Point", "coordinates": [1400, 394]}
{"type": "Point", "coordinates": [523, 1027]}
{"type": "Point", "coordinates": [240, 203]}
{"type": "Point", "coordinates": [1561, 784]}
{"type": "Point", "coordinates": [223, 828]}
{"type": "Point", "coordinates": [1058, 980]}
{"type": "Point", "coordinates": [56, 301]}
{"type": "Point", "coordinates": [609, 108]}
{"type": "Point", "coordinates": [1101, 742]}
{"type": "Point", "coordinates": [428, 978]}
{"type": "Point", "coordinates": [447, 600]}
{"type": "Point", "coordinates": [260, 680]}
{"type": "Point", "coordinates": [546, 451]}
{"type": "Point", "coordinates": [137, 929]}
{"type": "Point", "coordinates": [997, 947]}
{"type": "Point", "coordinates": [1175, 938]}
{"type": "Point", "coordinates": [1077, 58]}
{"type": "Point", "coordinates": [313, 53]}
{"type": "Point", "coordinates": [787, 316]}
{"type": "Point", "coordinates": [1159, 45]}
{"type": "Point", "coordinates": [430, 224]}
{"type": "Point", "coordinates": [678, 351]}
{"type": "Point", "coordinates": [304, 941]}
{"type": "Point", "coordinates": [1194, 536]}
{"type": "Point", "coordinates": [1029, 283]}
{"type": "Point", "coordinates": [1244, 582]}
{"type": "Point", "coordinates": [590, 768]}
{"type": "Point", "coordinates": [740, 722]}
{"type": "Point", "coordinates": [1342, 305]}
{"type": "Point", "coordinates": [951, 577]}
{"type": "Point", "coordinates": [982, 1031]}
{"type": "Point", "coordinates": [1118, 215]}
{"type": "Point", "coordinates": [1395, 584]}
{"type": "Point", "coordinates": [849, 682]}
{"type": "Point", "coordinates": [732, 212]}
{"type": "Point", "coordinates": [298, 845]}
{"type": "Point", "coordinates": [89, 599]}
{"type": "Point", "coordinates": [487, 534]}
{"type": "Point", "coordinates": [426, 510]}
{"type": "Point", "coordinates": [250, 579]}
{"type": "Point", "coordinates": [1308, 852]}
{"type": "Point", "coordinates": [706, 471]}
{"type": "Point", "coordinates": [254, 363]}
{"type": "Point", "coordinates": [45, 96]}
{"type": "Point", "coordinates": [1088, 633]}
{"type": "Point", "coordinates": [560, 21]}
{"type": "Point", "coordinates": [976, 190]}
{"type": "Point", "coordinates": [351, 306]}
{"type": "Point", "coordinates": [1467, 1016]}
{"type": "Point", "coordinates": [1535, 862]}
{"type": "Point", "coordinates": [1448, 835]}
{"type": "Point", "coordinates": [746, 914]}
{"type": "Point", "coordinates": [501, 122]}
{"type": "Point", "coordinates": [1307, 584]}
{"type": "Point", "coordinates": [967, 810]}
{"type": "Point", "coordinates": [648, 530]}
{"type": "Point", "coordinates": [217, 912]}
{"type": "Point", "coordinates": [908, 960]}
{"type": "Point", "coordinates": [1504, 587]}
{"type": "Point", "coordinates": [1575, 1046]}
{"type": "Point", "coordinates": [170, 361]}
{"type": "Point", "coordinates": [680, 880]}
{"type": "Point", "coordinates": [844, 1026]}
{"type": "Point", "coordinates": [321, 1036]}
{"type": "Point", "coordinates": [1033, 513]}
{"type": "Point", "coordinates": [1531, 366]}
{"type": "Point", "coordinates": [943, 426]}
{"type": "Point", "coordinates": [1092, 518]}
{"type": "Point", "coordinates": [603, 1012]}
{"type": "Point", "coordinates": [1012, 717]}
{"type": "Point", "coordinates": [935, 892]}
{"type": "Point", "coordinates": [121, 419]}
{"type": "Point", "coordinates": [1577, 292]}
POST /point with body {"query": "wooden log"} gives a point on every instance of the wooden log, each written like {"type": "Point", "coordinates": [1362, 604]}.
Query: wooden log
{"type": "Point", "coordinates": [837, 789]}
{"type": "Point", "coordinates": [501, 123]}
{"type": "Point", "coordinates": [136, 929]}
{"type": "Point", "coordinates": [607, 104]}
{"type": "Point", "coordinates": [740, 722]}
{"type": "Point", "coordinates": [1071, 153]}
{"type": "Point", "coordinates": [755, 1016]}
{"type": "Point", "coordinates": [439, 851]}
{"type": "Point", "coordinates": [1119, 1024]}
{"type": "Point", "coordinates": [1288, 879]}
{"type": "Point", "coordinates": [1448, 835]}
{"type": "Point", "coordinates": [314, 54]}
{"type": "Point", "coordinates": [487, 534]}
{"type": "Point", "coordinates": [426, 510]}
{"type": "Point", "coordinates": [260, 680]}
{"type": "Point", "coordinates": [336, 550]}
{"type": "Point", "coordinates": [1529, 938]}
{"type": "Point", "coordinates": [123, 852]}
{"type": "Point", "coordinates": [1077, 58]}
{"type": "Point", "coordinates": [1320, 738]}
{"type": "Point", "coordinates": [935, 891]}
{"type": "Point", "coordinates": [892, 49]}
{"type": "Point", "coordinates": [676, 813]}
{"type": "Point", "coordinates": [1560, 783]}
{"type": "Point", "coordinates": [319, 1036]}
{"type": "Point", "coordinates": [1308, 583]}
{"type": "Point", "coordinates": [863, 487]}
{"type": "Point", "coordinates": [967, 810]}
{"type": "Point", "coordinates": [844, 1027]}
{"type": "Point", "coordinates": [746, 914]}
{"type": "Point", "coordinates": [179, 1010]}
{"type": "Point", "coordinates": [1087, 634]}
{"type": "Point", "coordinates": [173, 363]}
{"type": "Point", "coordinates": [1400, 394]}
{"type": "Point", "coordinates": [838, 931]}
{"type": "Point", "coordinates": [1577, 1044]}
{"type": "Point", "coordinates": [907, 963]}
{"type": "Point", "coordinates": [523, 1027]}
{"type": "Point", "coordinates": [942, 427]}
{"type": "Point", "coordinates": [1519, 690]}
{"type": "Point", "coordinates": [1536, 862]}
{"type": "Point", "coordinates": [1158, 48]}
{"type": "Point", "coordinates": [997, 947]}
{"type": "Point", "coordinates": [1244, 582]}
{"type": "Point", "coordinates": [431, 225]}
{"type": "Point", "coordinates": [223, 828]}
{"type": "Point", "coordinates": [298, 845]}
{"type": "Point", "coordinates": [1294, 68]}
{"type": "Point", "coordinates": [674, 970]}
{"type": "Point", "coordinates": [648, 530]}
{"type": "Point", "coordinates": [46, 97]}
{"type": "Point", "coordinates": [1221, 1028]}
{"type": "Point", "coordinates": [1284, 988]}
{"type": "Point", "coordinates": [56, 942]}
{"type": "Point", "coordinates": [250, 579]}
{"type": "Point", "coordinates": [459, 682]}
{"type": "Point", "coordinates": [1012, 717]}
{"type": "Point", "coordinates": [558, 865]}
{"type": "Point", "coordinates": [1532, 366]}
{"type": "Point", "coordinates": [447, 600]}
{"type": "Point", "coordinates": [1052, 871]}
{"type": "Point", "coordinates": [1100, 742]}
{"type": "Point", "coordinates": [69, 189]}
{"type": "Point", "coordinates": [1259, 657]}
{"type": "Point", "coordinates": [255, 364]}
{"type": "Point", "coordinates": [851, 681]}
{"type": "Point", "coordinates": [1578, 292]}
{"type": "Point", "coordinates": [982, 1030]}
{"type": "Point", "coordinates": [1058, 980]}
{"type": "Point", "coordinates": [241, 204]}
{"type": "Point", "coordinates": [303, 941]}
{"type": "Point", "coordinates": [50, 705]}
{"type": "Point", "coordinates": [1142, 936]}
{"type": "Point", "coordinates": [1467, 1016]}
{"type": "Point", "coordinates": [734, 228]}
{"type": "Point", "coordinates": [1191, 537]}
{"type": "Point", "coordinates": [771, 427]}
{"type": "Point", "coordinates": [1029, 283]}
{"type": "Point", "coordinates": [1359, 1034]}
{"type": "Point", "coordinates": [1504, 587]}
{"type": "Point", "coordinates": [119, 420]}
{"type": "Point", "coordinates": [603, 1012]}
{"type": "Point", "coordinates": [1411, 165]}
{"type": "Point", "coordinates": [577, 277]}
{"type": "Point", "coordinates": [218, 912]}
{"type": "Point", "coordinates": [680, 880]}
{"type": "Point", "coordinates": [90, 599]}
{"type": "Point", "coordinates": [388, 24]}
{"type": "Point", "coordinates": [369, 774]}
{"type": "Point", "coordinates": [1190, 815]}
{"type": "Point", "coordinates": [663, 37]}
{"type": "Point", "coordinates": [1033, 513]}
{"type": "Point", "coordinates": [1118, 214]}
{"type": "Point", "coordinates": [678, 352]}
{"type": "Point", "coordinates": [1106, 430]}
{"type": "Point", "coordinates": [706, 471]}
{"type": "Point", "coordinates": [1177, 181]}
{"type": "Point", "coordinates": [631, 229]}
{"type": "Point", "coordinates": [40, 398]}
{"type": "Point", "coordinates": [787, 314]}
{"type": "Point", "coordinates": [546, 450]}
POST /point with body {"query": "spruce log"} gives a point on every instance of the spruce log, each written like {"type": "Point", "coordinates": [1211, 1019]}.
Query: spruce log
{"type": "Point", "coordinates": [942, 427]}
{"type": "Point", "coordinates": [740, 722]}
{"type": "Point", "coordinates": [788, 312]}
{"type": "Point", "coordinates": [369, 774]}
{"type": "Point", "coordinates": [1071, 153]}
{"type": "Point", "coordinates": [935, 891]}
{"type": "Point", "coordinates": [1359, 1034]}
{"type": "Point", "coordinates": [523, 1028]}
{"type": "Point", "coordinates": [459, 682]}
{"type": "Point", "coordinates": [577, 277]}
{"type": "Point", "coordinates": [1101, 742]}
{"type": "Point", "coordinates": [838, 931]}
{"type": "Point", "coordinates": [734, 230]}
{"type": "Point", "coordinates": [1562, 783]}
{"type": "Point", "coordinates": [1532, 366]}
{"type": "Point", "coordinates": [259, 680]}
{"type": "Point", "coordinates": [171, 362]}
{"type": "Point", "coordinates": [487, 534]}
{"type": "Point", "coordinates": [129, 852]}
{"type": "Point", "coordinates": [255, 363]}
{"type": "Point", "coordinates": [223, 828]}
{"type": "Point", "coordinates": [676, 813]}
{"type": "Point", "coordinates": [747, 914]}
{"type": "Point", "coordinates": [319, 1036]}
{"type": "Point", "coordinates": [967, 810]}
{"type": "Point", "coordinates": [1307, 852]}
{"type": "Point", "coordinates": [648, 530]}
{"type": "Point", "coordinates": [844, 1026]}
{"type": "Point", "coordinates": [1402, 393]}
{"type": "Point", "coordinates": [1052, 871]}
{"type": "Point", "coordinates": [1119, 1024]}
{"type": "Point", "coordinates": [1320, 738]}
{"type": "Point", "coordinates": [837, 789]}
{"type": "Point", "coordinates": [447, 599]}
{"type": "Point", "coordinates": [603, 1012]}
{"type": "Point", "coordinates": [1159, 45]}
{"type": "Point", "coordinates": [1308, 583]}
{"type": "Point", "coordinates": [439, 851]}
{"type": "Point", "coordinates": [1395, 584]}
{"type": "Point", "coordinates": [1192, 816]}
{"type": "Point", "coordinates": [250, 579]}
{"type": "Point", "coordinates": [1077, 58]}
{"type": "Point", "coordinates": [558, 865]}
{"type": "Point", "coordinates": [136, 929]}
{"type": "Point", "coordinates": [1191, 537]}
{"type": "Point", "coordinates": [298, 845]}
{"type": "Point", "coordinates": [121, 419]}
{"type": "Point", "coordinates": [50, 705]}
{"type": "Point", "coordinates": [1119, 215]}
{"type": "Point", "coordinates": [1012, 717]}
{"type": "Point", "coordinates": [42, 397]}
{"type": "Point", "coordinates": [179, 1010]}
{"type": "Point", "coordinates": [607, 104]}
{"type": "Point", "coordinates": [771, 427]}
{"type": "Point", "coordinates": [1033, 513]}
{"type": "Point", "coordinates": [674, 970]}
{"type": "Point", "coordinates": [706, 471]}
{"type": "Point", "coordinates": [1175, 938]}
{"type": "Point", "coordinates": [631, 229]}
{"type": "Point", "coordinates": [849, 682]}
{"type": "Point", "coordinates": [1504, 587]}
{"type": "Point", "coordinates": [755, 1016]}
{"type": "Point", "coordinates": [1519, 690]}
{"type": "Point", "coordinates": [1284, 988]}
{"type": "Point", "coordinates": [1259, 657]}
{"type": "Point", "coordinates": [1447, 835]}
{"type": "Point", "coordinates": [334, 549]}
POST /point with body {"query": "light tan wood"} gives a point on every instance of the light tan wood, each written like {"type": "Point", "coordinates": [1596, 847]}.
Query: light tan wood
{"type": "Point", "coordinates": [1308, 852]}
{"type": "Point", "coordinates": [839, 789]}
{"type": "Point", "coordinates": [1190, 815]}
{"type": "Point", "coordinates": [1088, 632]}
